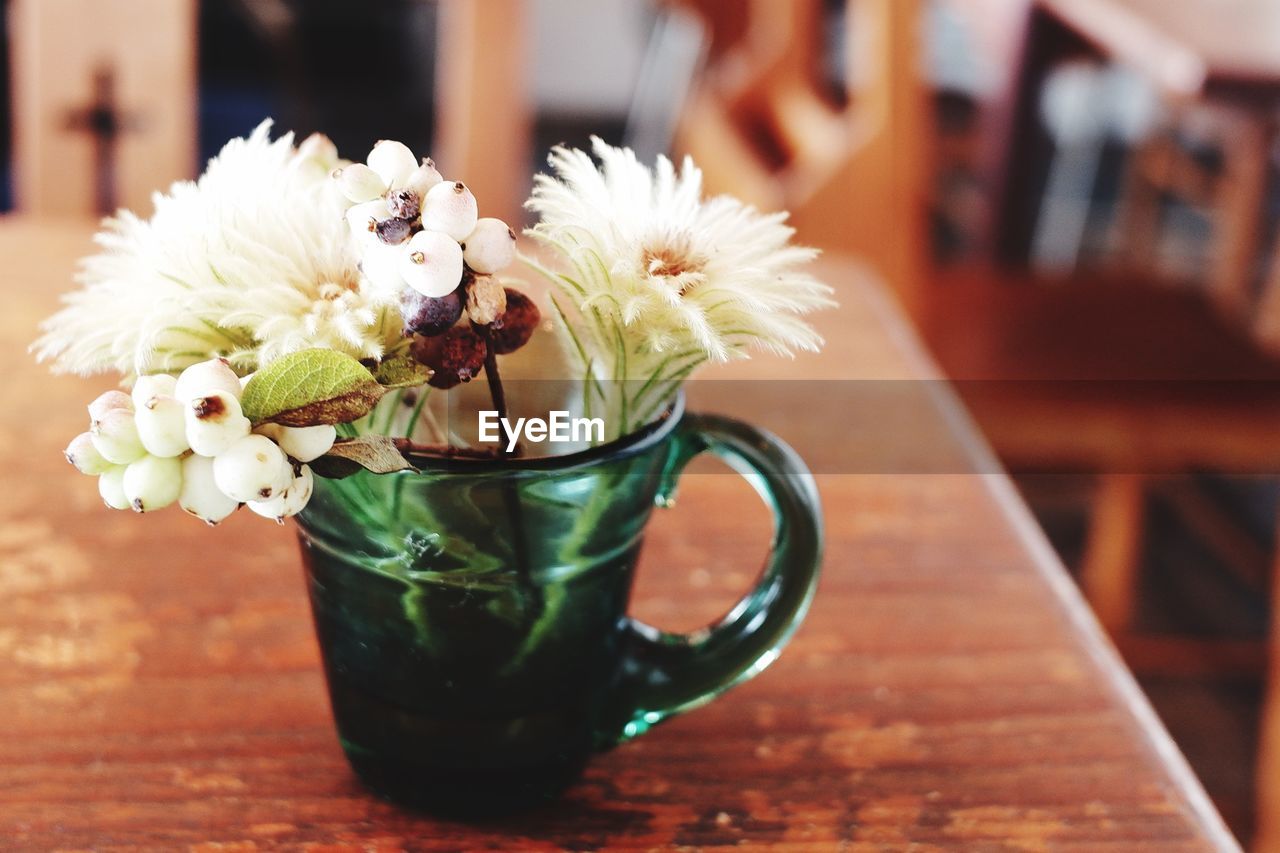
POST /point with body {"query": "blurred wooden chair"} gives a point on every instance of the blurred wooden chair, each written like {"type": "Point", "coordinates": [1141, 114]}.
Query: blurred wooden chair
{"type": "Point", "coordinates": [104, 102]}
{"type": "Point", "coordinates": [764, 126]}
{"type": "Point", "coordinates": [1216, 66]}
{"type": "Point", "coordinates": [1231, 189]}
{"type": "Point", "coordinates": [1241, 141]}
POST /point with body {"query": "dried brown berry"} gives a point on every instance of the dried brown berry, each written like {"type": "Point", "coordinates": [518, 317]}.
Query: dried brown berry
{"type": "Point", "coordinates": [429, 315]}
{"type": "Point", "coordinates": [454, 357]}
{"type": "Point", "coordinates": [427, 351]}
{"type": "Point", "coordinates": [513, 329]}
{"type": "Point", "coordinates": [393, 231]}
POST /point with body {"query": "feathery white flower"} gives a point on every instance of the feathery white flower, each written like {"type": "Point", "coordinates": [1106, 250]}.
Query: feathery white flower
{"type": "Point", "coordinates": [252, 261]}
{"type": "Point", "coordinates": [663, 280]}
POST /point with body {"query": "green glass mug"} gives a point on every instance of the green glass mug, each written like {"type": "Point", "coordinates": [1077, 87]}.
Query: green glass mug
{"type": "Point", "coordinates": [472, 616]}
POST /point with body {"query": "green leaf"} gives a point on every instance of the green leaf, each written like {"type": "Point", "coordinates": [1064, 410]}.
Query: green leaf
{"type": "Point", "coordinates": [313, 386]}
{"type": "Point", "coordinates": [403, 371]}
{"type": "Point", "coordinates": [376, 453]}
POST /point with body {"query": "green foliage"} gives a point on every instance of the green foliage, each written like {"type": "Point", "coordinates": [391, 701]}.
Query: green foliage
{"type": "Point", "coordinates": [402, 371]}
{"type": "Point", "coordinates": [313, 386]}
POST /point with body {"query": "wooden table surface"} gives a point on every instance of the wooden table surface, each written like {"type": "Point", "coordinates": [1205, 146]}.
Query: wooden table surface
{"type": "Point", "coordinates": [160, 685]}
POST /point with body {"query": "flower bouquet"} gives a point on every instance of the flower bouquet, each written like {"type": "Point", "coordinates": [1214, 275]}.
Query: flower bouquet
{"type": "Point", "coordinates": [298, 334]}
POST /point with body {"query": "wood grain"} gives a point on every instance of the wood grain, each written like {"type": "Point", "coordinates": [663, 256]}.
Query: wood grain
{"type": "Point", "coordinates": [160, 687]}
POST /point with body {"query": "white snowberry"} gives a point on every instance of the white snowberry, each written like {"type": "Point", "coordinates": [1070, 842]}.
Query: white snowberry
{"type": "Point", "coordinates": [82, 454]}
{"type": "Point", "coordinates": [490, 247]}
{"type": "Point", "coordinates": [289, 502]}
{"type": "Point", "coordinates": [154, 385]}
{"type": "Point", "coordinates": [359, 183]}
{"type": "Point", "coordinates": [111, 487]}
{"type": "Point", "coordinates": [303, 444]}
{"type": "Point", "coordinates": [214, 423]}
{"type": "Point", "coordinates": [115, 436]}
{"type": "Point", "coordinates": [380, 265]}
{"type": "Point", "coordinates": [424, 177]}
{"type": "Point", "coordinates": [317, 148]}
{"type": "Point", "coordinates": [200, 380]}
{"type": "Point", "coordinates": [152, 483]}
{"type": "Point", "coordinates": [363, 221]}
{"type": "Point", "coordinates": [106, 402]}
{"type": "Point", "coordinates": [161, 426]}
{"type": "Point", "coordinates": [451, 208]}
{"type": "Point", "coordinates": [431, 263]}
{"type": "Point", "coordinates": [200, 495]}
{"type": "Point", "coordinates": [252, 469]}
{"type": "Point", "coordinates": [393, 161]}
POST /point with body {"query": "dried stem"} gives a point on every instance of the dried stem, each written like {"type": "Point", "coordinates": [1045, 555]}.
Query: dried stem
{"type": "Point", "coordinates": [497, 394]}
{"type": "Point", "coordinates": [510, 494]}
{"type": "Point", "coordinates": [443, 451]}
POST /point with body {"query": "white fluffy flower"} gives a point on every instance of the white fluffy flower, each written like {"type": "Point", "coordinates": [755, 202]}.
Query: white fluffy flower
{"type": "Point", "coordinates": [252, 261]}
{"type": "Point", "coordinates": [675, 270]}
{"type": "Point", "coordinates": [662, 280]}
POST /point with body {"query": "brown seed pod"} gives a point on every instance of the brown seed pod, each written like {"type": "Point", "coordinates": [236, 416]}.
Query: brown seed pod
{"type": "Point", "coordinates": [456, 356]}
{"type": "Point", "coordinates": [486, 300]}
{"type": "Point", "coordinates": [513, 329]}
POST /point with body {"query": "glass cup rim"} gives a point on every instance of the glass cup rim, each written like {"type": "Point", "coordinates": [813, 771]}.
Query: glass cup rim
{"type": "Point", "coordinates": [631, 444]}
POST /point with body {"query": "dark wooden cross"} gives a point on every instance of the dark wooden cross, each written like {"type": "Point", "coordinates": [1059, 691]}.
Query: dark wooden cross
{"type": "Point", "coordinates": [105, 124]}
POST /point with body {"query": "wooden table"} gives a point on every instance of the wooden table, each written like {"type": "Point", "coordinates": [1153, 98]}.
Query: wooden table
{"type": "Point", "coordinates": [160, 685]}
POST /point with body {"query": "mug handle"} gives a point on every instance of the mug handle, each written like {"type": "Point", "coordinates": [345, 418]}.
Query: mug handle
{"type": "Point", "coordinates": [665, 674]}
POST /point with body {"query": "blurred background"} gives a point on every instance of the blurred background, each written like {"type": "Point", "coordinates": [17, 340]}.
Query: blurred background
{"type": "Point", "coordinates": [1073, 200]}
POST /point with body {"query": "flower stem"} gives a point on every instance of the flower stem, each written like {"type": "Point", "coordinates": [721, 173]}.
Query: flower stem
{"type": "Point", "coordinates": [497, 394]}
{"type": "Point", "coordinates": [510, 493]}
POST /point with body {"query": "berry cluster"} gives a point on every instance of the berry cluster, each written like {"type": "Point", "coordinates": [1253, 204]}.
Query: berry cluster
{"type": "Point", "coordinates": [185, 439]}
{"type": "Point", "coordinates": [420, 236]}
